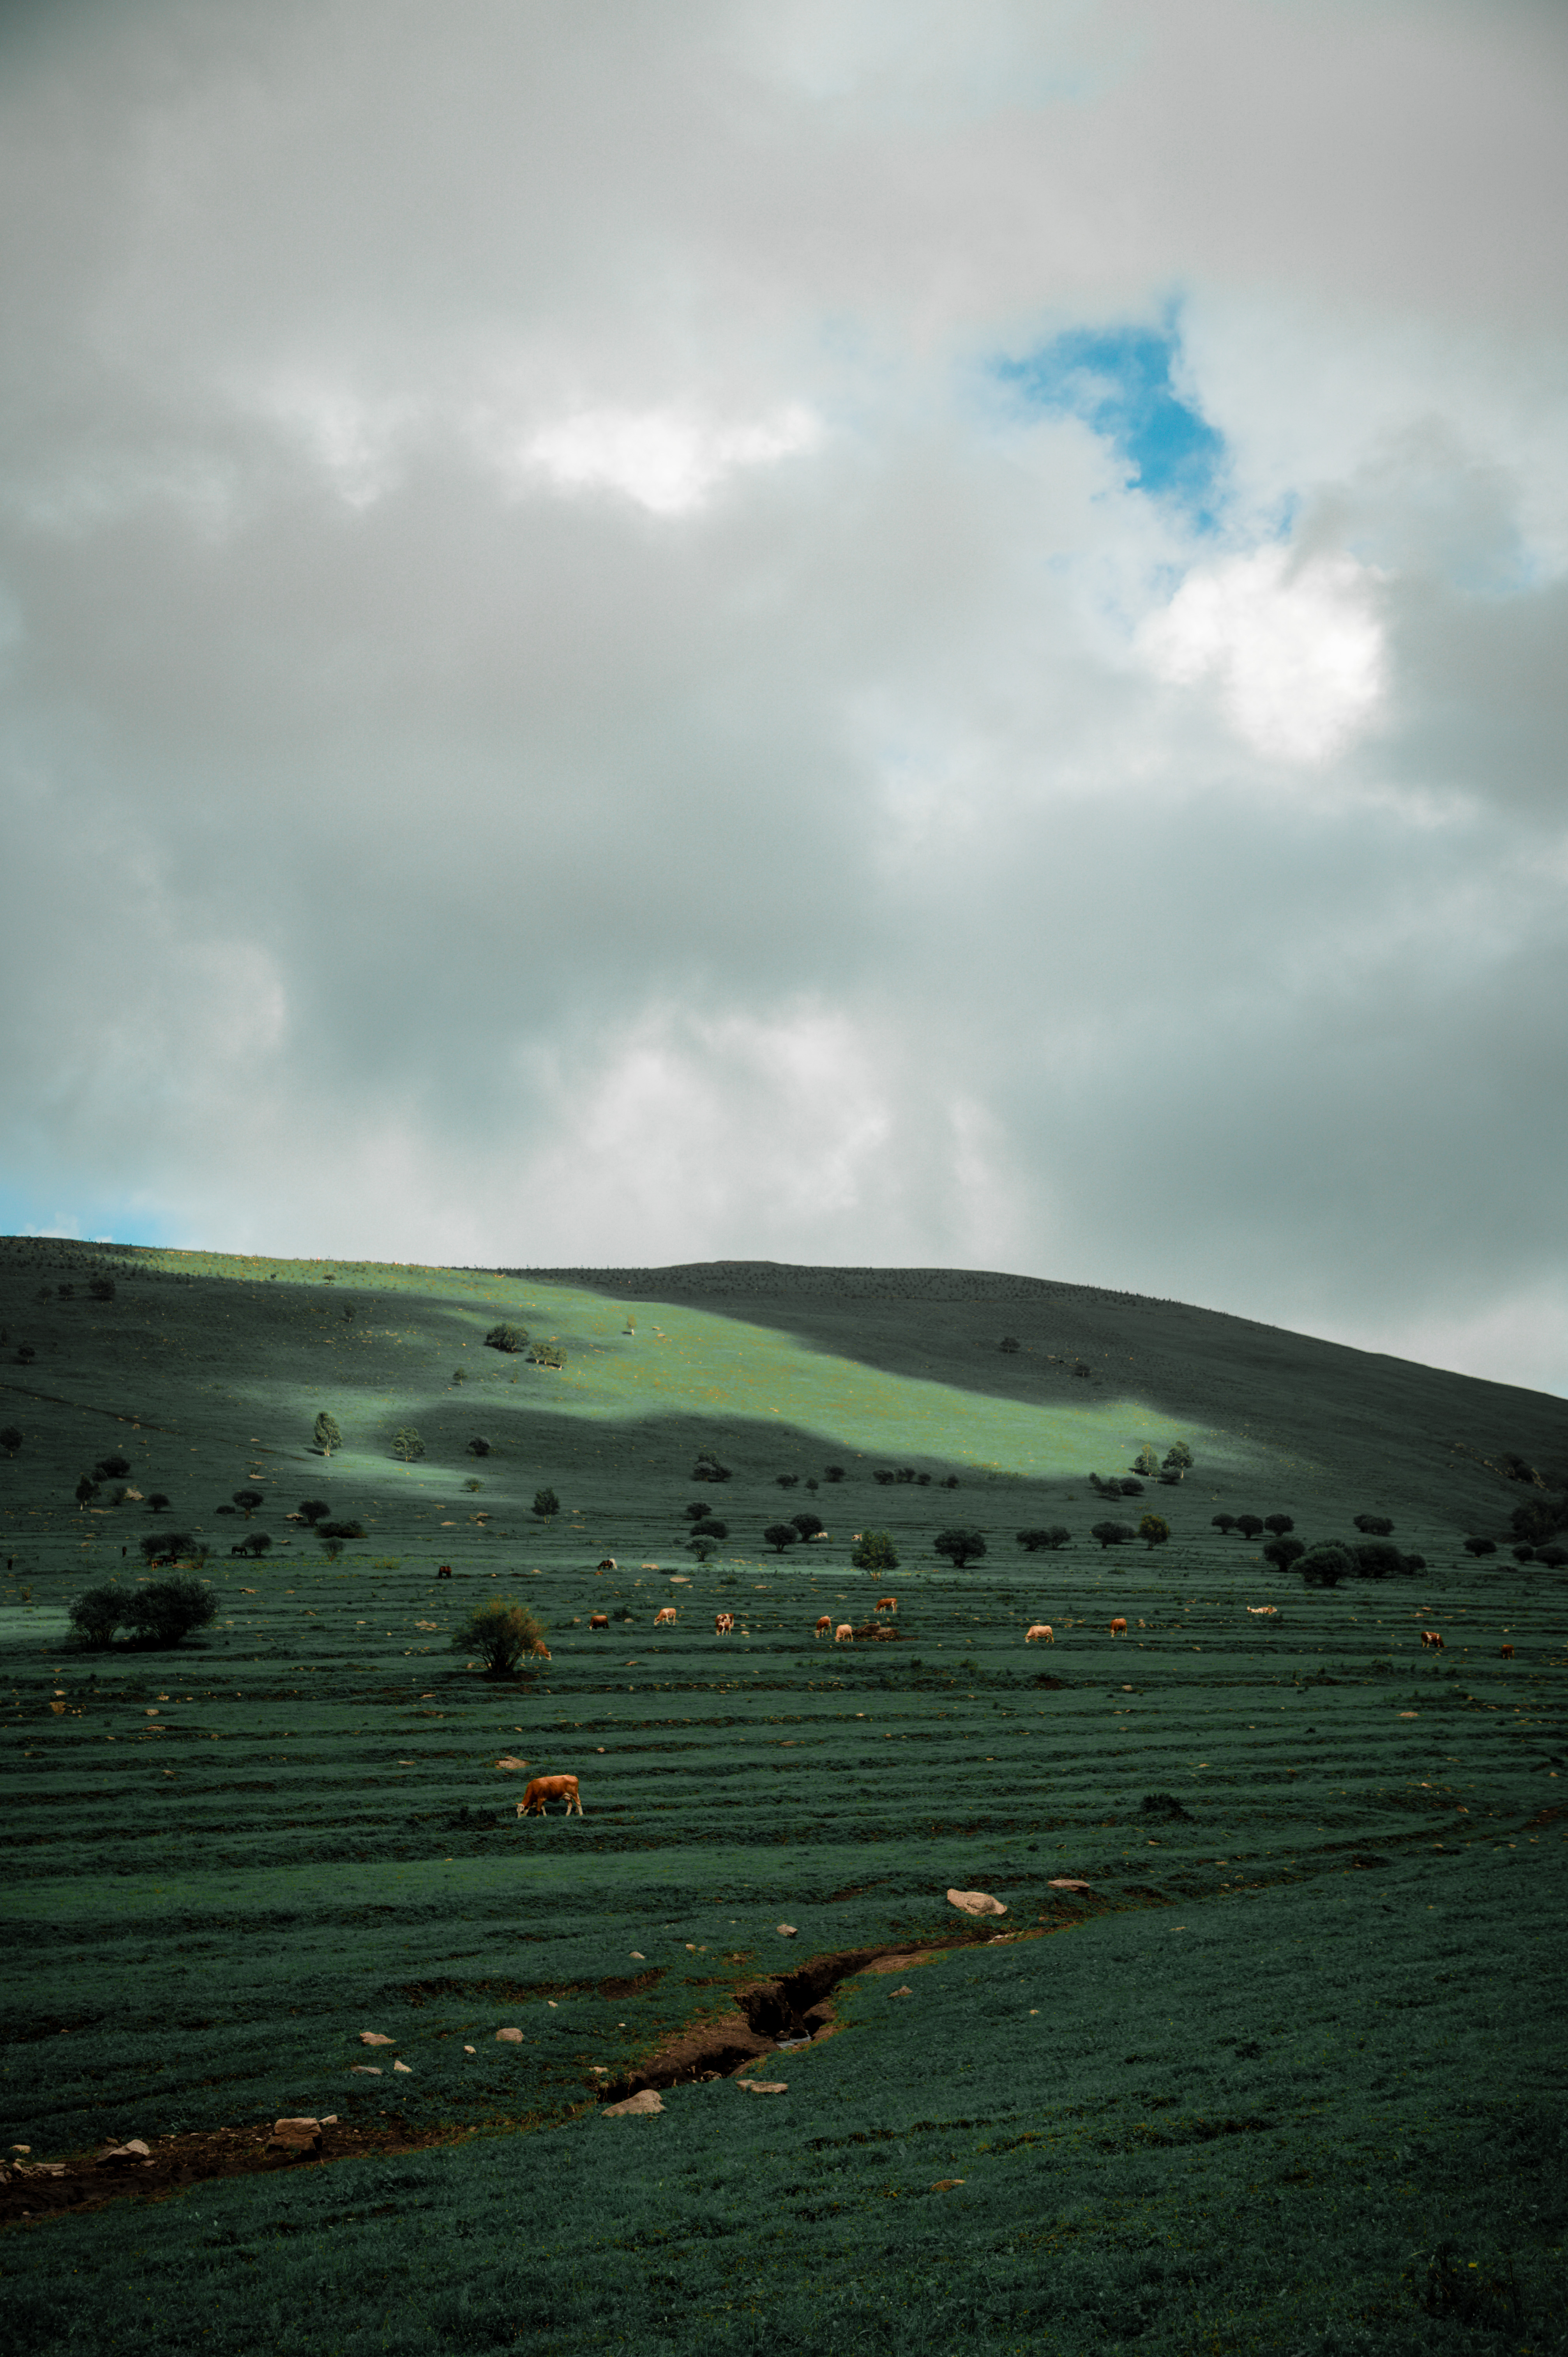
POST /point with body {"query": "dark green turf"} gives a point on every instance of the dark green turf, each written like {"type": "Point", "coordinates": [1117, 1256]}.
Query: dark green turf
{"type": "Point", "coordinates": [316, 1839]}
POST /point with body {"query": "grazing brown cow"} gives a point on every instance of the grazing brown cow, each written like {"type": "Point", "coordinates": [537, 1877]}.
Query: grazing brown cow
{"type": "Point", "coordinates": [665, 1617]}
{"type": "Point", "coordinates": [1507, 1652]}
{"type": "Point", "coordinates": [1042, 1632]}
{"type": "Point", "coordinates": [723, 1624]}
{"type": "Point", "coordinates": [888, 1604]}
{"type": "Point", "coordinates": [843, 1634]}
{"type": "Point", "coordinates": [1432, 1641]}
{"type": "Point", "coordinates": [538, 1651]}
{"type": "Point", "coordinates": [608, 1564]}
{"type": "Point", "coordinates": [824, 1626]}
{"type": "Point", "coordinates": [550, 1788]}
{"type": "Point", "coordinates": [598, 1620]}
{"type": "Point", "coordinates": [445, 1571]}
{"type": "Point", "coordinates": [1118, 1628]}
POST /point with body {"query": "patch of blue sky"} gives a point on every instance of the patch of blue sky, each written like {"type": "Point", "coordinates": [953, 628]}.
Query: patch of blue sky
{"type": "Point", "coordinates": [1119, 381]}
{"type": "Point", "coordinates": [89, 1218]}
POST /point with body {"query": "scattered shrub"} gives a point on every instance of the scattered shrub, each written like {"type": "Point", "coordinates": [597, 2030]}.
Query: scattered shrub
{"type": "Point", "coordinates": [257, 1543]}
{"type": "Point", "coordinates": [1539, 1521]}
{"type": "Point", "coordinates": [1376, 1559]}
{"type": "Point", "coordinates": [11, 1440]}
{"type": "Point", "coordinates": [708, 1468]}
{"type": "Point", "coordinates": [1480, 1546]}
{"type": "Point", "coordinates": [1147, 1461]}
{"type": "Point", "coordinates": [960, 1546]}
{"type": "Point", "coordinates": [459, 1376]}
{"type": "Point", "coordinates": [874, 1551]}
{"type": "Point", "coordinates": [950, 1484]}
{"type": "Point", "coordinates": [1325, 1565]}
{"type": "Point", "coordinates": [96, 1615]}
{"type": "Point", "coordinates": [502, 1632]}
{"type": "Point", "coordinates": [833, 1473]}
{"type": "Point", "coordinates": [1178, 1458]}
{"type": "Point", "coordinates": [882, 1473]}
{"type": "Point", "coordinates": [342, 1531]}
{"type": "Point", "coordinates": [780, 1535]}
{"type": "Point", "coordinates": [696, 1512]}
{"type": "Point", "coordinates": [110, 1469]}
{"type": "Point", "coordinates": [1009, 1343]}
{"type": "Point", "coordinates": [547, 1354]}
{"type": "Point", "coordinates": [1130, 1488]}
{"type": "Point", "coordinates": [1153, 1530]}
{"type": "Point", "coordinates": [157, 1503]}
{"type": "Point", "coordinates": [1554, 1558]}
{"type": "Point", "coordinates": [1249, 1526]}
{"type": "Point", "coordinates": [1054, 1536]}
{"type": "Point", "coordinates": [478, 1447]}
{"type": "Point", "coordinates": [165, 1546]}
{"type": "Point", "coordinates": [167, 1610]}
{"type": "Point", "coordinates": [1225, 1523]}
{"type": "Point", "coordinates": [326, 1435]}
{"type": "Point", "coordinates": [786, 1480]}
{"type": "Point", "coordinates": [704, 1545]}
{"type": "Point", "coordinates": [1165, 1805]}
{"type": "Point", "coordinates": [406, 1443]}
{"type": "Point", "coordinates": [25, 1354]}
{"type": "Point", "coordinates": [332, 1548]}
{"type": "Point", "coordinates": [509, 1338]}
{"type": "Point", "coordinates": [710, 1527]}
{"type": "Point", "coordinates": [86, 1489]}
{"type": "Point", "coordinates": [1105, 1488]}
{"type": "Point", "coordinates": [314, 1511]}
{"type": "Point", "coordinates": [1414, 1563]}
{"type": "Point", "coordinates": [808, 1524]}
{"type": "Point", "coordinates": [1278, 1523]}
{"type": "Point", "coordinates": [1283, 1552]}
{"type": "Point", "coordinates": [248, 1500]}
{"type": "Point", "coordinates": [1111, 1533]}
{"type": "Point", "coordinates": [1376, 1526]}
{"type": "Point", "coordinates": [546, 1504]}
{"type": "Point", "coordinates": [923, 1479]}
{"type": "Point", "coordinates": [102, 1289]}
{"type": "Point", "coordinates": [810, 1485]}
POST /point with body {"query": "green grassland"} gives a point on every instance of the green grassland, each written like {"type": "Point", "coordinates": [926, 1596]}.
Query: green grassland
{"type": "Point", "coordinates": [1289, 2077]}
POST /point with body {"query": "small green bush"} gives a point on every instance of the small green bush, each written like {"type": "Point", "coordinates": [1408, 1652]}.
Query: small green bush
{"type": "Point", "coordinates": [1376, 1526]}
{"type": "Point", "coordinates": [1278, 1523]}
{"type": "Point", "coordinates": [1376, 1559]}
{"type": "Point", "coordinates": [1325, 1565]}
{"type": "Point", "coordinates": [167, 1610]}
{"type": "Point", "coordinates": [546, 1505]}
{"type": "Point", "coordinates": [507, 1338]}
{"type": "Point", "coordinates": [326, 1435]}
{"type": "Point", "coordinates": [97, 1615]}
{"type": "Point", "coordinates": [960, 1546]}
{"type": "Point", "coordinates": [342, 1531]}
{"type": "Point", "coordinates": [110, 1469]}
{"type": "Point", "coordinates": [1250, 1526]}
{"type": "Point", "coordinates": [314, 1511]}
{"type": "Point", "coordinates": [874, 1551]}
{"type": "Point", "coordinates": [1054, 1536]}
{"type": "Point", "coordinates": [1147, 1461]}
{"type": "Point", "coordinates": [1480, 1546]}
{"type": "Point", "coordinates": [704, 1545]}
{"type": "Point", "coordinates": [808, 1524]}
{"type": "Point", "coordinates": [159, 1504]}
{"type": "Point", "coordinates": [1178, 1458]}
{"type": "Point", "coordinates": [547, 1354]}
{"type": "Point", "coordinates": [780, 1535]}
{"type": "Point", "coordinates": [786, 1480]}
{"type": "Point", "coordinates": [478, 1447]}
{"type": "Point", "coordinates": [1112, 1535]}
{"type": "Point", "coordinates": [1283, 1552]}
{"type": "Point", "coordinates": [248, 1500]}
{"type": "Point", "coordinates": [406, 1444]}
{"type": "Point", "coordinates": [165, 1546]}
{"type": "Point", "coordinates": [1225, 1523]}
{"type": "Point", "coordinates": [11, 1440]}
{"type": "Point", "coordinates": [1009, 1343]}
{"type": "Point", "coordinates": [708, 1468]}
{"type": "Point", "coordinates": [502, 1632]}
{"type": "Point", "coordinates": [833, 1473]}
{"type": "Point", "coordinates": [710, 1527]}
{"type": "Point", "coordinates": [1153, 1530]}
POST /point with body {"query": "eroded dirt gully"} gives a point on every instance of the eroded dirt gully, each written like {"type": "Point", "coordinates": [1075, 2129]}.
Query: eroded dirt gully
{"type": "Point", "coordinates": [796, 2005]}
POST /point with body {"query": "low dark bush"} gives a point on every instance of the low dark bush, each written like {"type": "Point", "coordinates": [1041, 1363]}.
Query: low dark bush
{"type": "Point", "coordinates": [111, 1468]}
{"type": "Point", "coordinates": [478, 1447]}
{"type": "Point", "coordinates": [1480, 1546]}
{"type": "Point", "coordinates": [833, 1473]}
{"type": "Point", "coordinates": [164, 1611]}
{"type": "Point", "coordinates": [1249, 1526]}
{"type": "Point", "coordinates": [1112, 1535]}
{"type": "Point", "coordinates": [1376, 1559]}
{"type": "Point", "coordinates": [509, 1338]}
{"type": "Point", "coordinates": [1130, 1487]}
{"type": "Point", "coordinates": [1554, 1558]}
{"type": "Point", "coordinates": [165, 1546]}
{"type": "Point", "coordinates": [950, 1484]}
{"type": "Point", "coordinates": [808, 1524]}
{"type": "Point", "coordinates": [257, 1543]}
{"type": "Point", "coordinates": [1414, 1563]}
{"type": "Point", "coordinates": [1326, 1565]}
{"type": "Point", "coordinates": [960, 1546]}
{"type": "Point", "coordinates": [1226, 1523]}
{"type": "Point", "coordinates": [708, 1468]}
{"type": "Point", "coordinates": [1522, 1553]}
{"type": "Point", "coordinates": [780, 1535]}
{"type": "Point", "coordinates": [882, 1473]}
{"type": "Point", "coordinates": [340, 1530]}
{"type": "Point", "coordinates": [1278, 1523]}
{"type": "Point", "coordinates": [1283, 1552]}
{"type": "Point", "coordinates": [11, 1440]}
{"type": "Point", "coordinates": [1165, 1805]}
{"type": "Point", "coordinates": [502, 1632]}
{"type": "Point", "coordinates": [874, 1551]}
{"type": "Point", "coordinates": [248, 1500]}
{"type": "Point", "coordinates": [102, 1289]}
{"type": "Point", "coordinates": [710, 1527]}
{"type": "Point", "coordinates": [786, 1480]}
{"type": "Point", "coordinates": [314, 1511]}
{"type": "Point", "coordinates": [546, 1504]}
{"type": "Point", "coordinates": [157, 1503]}
{"type": "Point", "coordinates": [1376, 1526]}
{"type": "Point", "coordinates": [1053, 1536]}
{"type": "Point", "coordinates": [1009, 1342]}
{"type": "Point", "coordinates": [97, 1615]}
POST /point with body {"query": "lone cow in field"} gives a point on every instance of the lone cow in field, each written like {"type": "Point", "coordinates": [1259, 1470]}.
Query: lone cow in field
{"type": "Point", "coordinates": [888, 1604]}
{"type": "Point", "coordinates": [843, 1634]}
{"type": "Point", "coordinates": [824, 1626]}
{"type": "Point", "coordinates": [608, 1564]}
{"type": "Point", "coordinates": [723, 1624]}
{"type": "Point", "coordinates": [598, 1620]}
{"type": "Point", "coordinates": [665, 1617]}
{"type": "Point", "coordinates": [1505, 1653]}
{"type": "Point", "coordinates": [1119, 1627]}
{"type": "Point", "coordinates": [444, 1571]}
{"type": "Point", "coordinates": [550, 1788]}
{"type": "Point", "coordinates": [538, 1651]}
{"type": "Point", "coordinates": [1432, 1641]}
{"type": "Point", "coordinates": [1042, 1633]}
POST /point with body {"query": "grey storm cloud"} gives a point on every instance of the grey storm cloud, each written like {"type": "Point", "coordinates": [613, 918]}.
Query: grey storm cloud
{"type": "Point", "coordinates": [840, 633]}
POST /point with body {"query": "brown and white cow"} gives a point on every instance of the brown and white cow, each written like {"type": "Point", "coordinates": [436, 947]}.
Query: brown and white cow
{"type": "Point", "coordinates": [538, 1651]}
{"type": "Point", "coordinates": [1041, 1633]}
{"type": "Point", "coordinates": [824, 1626]}
{"type": "Point", "coordinates": [1432, 1641]}
{"type": "Point", "coordinates": [444, 1571]}
{"type": "Point", "coordinates": [723, 1624]}
{"type": "Point", "coordinates": [665, 1617]}
{"type": "Point", "coordinates": [550, 1788]}
{"type": "Point", "coordinates": [598, 1620]}
{"type": "Point", "coordinates": [1118, 1628]}
{"type": "Point", "coordinates": [608, 1564]}
{"type": "Point", "coordinates": [843, 1634]}
{"type": "Point", "coordinates": [1507, 1652]}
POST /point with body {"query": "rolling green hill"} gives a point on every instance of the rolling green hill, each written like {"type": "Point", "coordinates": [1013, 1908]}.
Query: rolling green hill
{"type": "Point", "coordinates": [1257, 2081]}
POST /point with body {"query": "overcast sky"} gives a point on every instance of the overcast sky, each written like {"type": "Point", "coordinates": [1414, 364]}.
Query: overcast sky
{"type": "Point", "coordinates": [641, 629]}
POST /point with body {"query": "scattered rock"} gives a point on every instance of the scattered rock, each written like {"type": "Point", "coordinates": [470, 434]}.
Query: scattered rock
{"type": "Point", "coordinates": [366, 2070]}
{"type": "Point", "coordinates": [647, 2102]}
{"type": "Point", "coordinates": [129, 2155]}
{"type": "Point", "coordinates": [508, 1763]}
{"type": "Point", "coordinates": [764, 2086]}
{"type": "Point", "coordinates": [787, 1930]}
{"type": "Point", "coordinates": [407, 2067]}
{"type": "Point", "coordinates": [509, 2037]}
{"type": "Point", "coordinates": [639, 1956]}
{"type": "Point", "coordinates": [945, 2184]}
{"type": "Point", "coordinates": [374, 2038]}
{"type": "Point", "coordinates": [21, 2147]}
{"type": "Point", "coordinates": [329, 2119]}
{"type": "Point", "coordinates": [470, 2050]}
{"type": "Point", "coordinates": [976, 1903]}
{"type": "Point", "coordinates": [905, 1991]}
{"type": "Point", "coordinates": [1066, 1882]}
{"type": "Point", "coordinates": [294, 2136]}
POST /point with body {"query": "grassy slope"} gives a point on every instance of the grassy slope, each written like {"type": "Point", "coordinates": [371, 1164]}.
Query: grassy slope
{"type": "Point", "coordinates": [210, 1939]}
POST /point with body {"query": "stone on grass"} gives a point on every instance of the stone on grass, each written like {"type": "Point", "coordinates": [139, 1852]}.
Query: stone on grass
{"type": "Point", "coordinates": [506, 1760]}
{"type": "Point", "coordinates": [905, 1991]}
{"type": "Point", "coordinates": [976, 1903]}
{"type": "Point", "coordinates": [294, 2136]}
{"type": "Point", "coordinates": [407, 2067]}
{"type": "Point", "coordinates": [764, 2086]}
{"type": "Point", "coordinates": [786, 1931]}
{"type": "Point", "coordinates": [1066, 1882]}
{"type": "Point", "coordinates": [374, 2038]}
{"type": "Point", "coordinates": [509, 2037]}
{"type": "Point", "coordinates": [129, 2155]}
{"type": "Point", "coordinates": [648, 2102]}
{"type": "Point", "coordinates": [366, 2070]}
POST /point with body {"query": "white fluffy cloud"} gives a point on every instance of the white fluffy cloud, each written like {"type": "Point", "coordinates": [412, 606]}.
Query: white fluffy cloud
{"type": "Point", "coordinates": [575, 688]}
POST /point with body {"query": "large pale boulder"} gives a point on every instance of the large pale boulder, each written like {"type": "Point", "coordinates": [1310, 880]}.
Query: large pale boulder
{"type": "Point", "coordinates": [976, 1903]}
{"type": "Point", "coordinates": [294, 2136]}
{"type": "Point", "coordinates": [374, 2038]}
{"type": "Point", "coordinates": [509, 2037]}
{"type": "Point", "coordinates": [648, 2102]}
